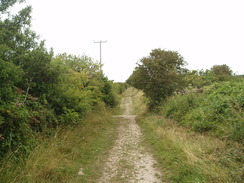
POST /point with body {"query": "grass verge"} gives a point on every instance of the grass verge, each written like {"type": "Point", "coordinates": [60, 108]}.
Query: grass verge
{"type": "Point", "coordinates": [59, 159]}
{"type": "Point", "coordinates": [186, 156]}
{"type": "Point", "coordinates": [189, 156]}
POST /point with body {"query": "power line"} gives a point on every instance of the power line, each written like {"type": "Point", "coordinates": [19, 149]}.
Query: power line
{"type": "Point", "coordinates": [100, 42]}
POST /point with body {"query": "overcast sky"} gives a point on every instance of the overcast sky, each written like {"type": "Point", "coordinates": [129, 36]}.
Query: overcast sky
{"type": "Point", "coordinates": [204, 32]}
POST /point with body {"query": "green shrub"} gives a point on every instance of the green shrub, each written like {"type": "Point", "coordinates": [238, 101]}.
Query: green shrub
{"type": "Point", "coordinates": [10, 76]}
{"type": "Point", "coordinates": [220, 110]}
{"type": "Point", "coordinates": [176, 107]}
{"type": "Point", "coordinates": [14, 128]}
{"type": "Point", "coordinates": [70, 116]}
{"type": "Point", "coordinates": [108, 94]}
{"type": "Point", "coordinates": [119, 88]}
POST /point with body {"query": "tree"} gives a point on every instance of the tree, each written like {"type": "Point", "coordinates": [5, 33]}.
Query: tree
{"type": "Point", "coordinates": [10, 74]}
{"type": "Point", "coordinates": [39, 91]}
{"type": "Point", "coordinates": [16, 37]}
{"type": "Point", "coordinates": [221, 72]}
{"type": "Point", "coordinates": [24, 75]}
{"type": "Point", "coordinates": [5, 4]}
{"type": "Point", "coordinates": [159, 75]}
{"type": "Point", "coordinates": [19, 45]}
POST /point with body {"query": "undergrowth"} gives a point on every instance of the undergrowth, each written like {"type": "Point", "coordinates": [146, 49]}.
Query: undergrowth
{"type": "Point", "coordinates": [218, 110]}
{"type": "Point", "coordinates": [60, 158]}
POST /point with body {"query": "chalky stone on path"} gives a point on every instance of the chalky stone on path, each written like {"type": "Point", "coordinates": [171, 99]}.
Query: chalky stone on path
{"type": "Point", "coordinates": [128, 160]}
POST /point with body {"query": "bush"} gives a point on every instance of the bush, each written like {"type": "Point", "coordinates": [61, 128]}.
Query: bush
{"type": "Point", "coordinates": [220, 110]}
{"type": "Point", "coordinates": [119, 88]}
{"type": "Point", "coordinates": [10, 76]}
{"type": "Point", "coordinates": [108, 95]}
{"type": "Point", "coordinates": [178, 106]}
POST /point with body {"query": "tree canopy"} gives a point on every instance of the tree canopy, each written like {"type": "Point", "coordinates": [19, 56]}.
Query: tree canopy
{"type": "Point", "coordinates": [159, 75]}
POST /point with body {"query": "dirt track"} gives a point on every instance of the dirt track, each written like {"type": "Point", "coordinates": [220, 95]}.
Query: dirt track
{"type": "Point", "coordinates": [128, 160]}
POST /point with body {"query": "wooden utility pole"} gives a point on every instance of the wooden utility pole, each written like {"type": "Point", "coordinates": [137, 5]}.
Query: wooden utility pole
{"type": "Point", "coordinates": [100, 42]}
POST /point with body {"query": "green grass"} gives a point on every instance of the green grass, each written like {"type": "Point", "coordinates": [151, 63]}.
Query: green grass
{"type": "Point", "coordinates": [60, 158]}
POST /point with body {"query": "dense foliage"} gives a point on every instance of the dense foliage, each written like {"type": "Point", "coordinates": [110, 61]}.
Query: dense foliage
{"type": "Point", "coordinates": [219, 109]}
{"type": "Point", "coordinates": [217, 73]}
{"type": "Point", "coordinates": [38, 91]}
{"type": "Point", "coordinates": [159, 75]}
{"type": "Point", "coordinates": [119, 88]}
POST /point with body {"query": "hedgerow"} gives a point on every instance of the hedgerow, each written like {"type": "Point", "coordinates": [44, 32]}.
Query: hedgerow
{"type": "Point", "coordinates": [40, 92]}
{"type": "Point", "coordinates": [219, 110]}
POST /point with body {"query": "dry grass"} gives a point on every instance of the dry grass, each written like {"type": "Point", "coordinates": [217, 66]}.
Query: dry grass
{"type": "Point", "coordinates": [138, 101]}
{"type": "Point", "coordinates": [204, 158]}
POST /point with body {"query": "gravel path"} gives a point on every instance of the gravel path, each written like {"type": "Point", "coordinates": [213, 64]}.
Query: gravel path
{"type": "Point", "coordinates": [128, 160]}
